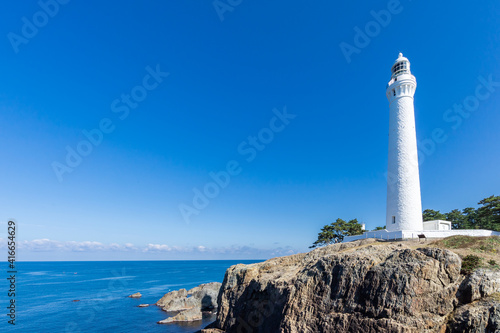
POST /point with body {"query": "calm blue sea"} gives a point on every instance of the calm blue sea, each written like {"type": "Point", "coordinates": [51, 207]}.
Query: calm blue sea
{"type": "Point", "coordinates": [46, 290]}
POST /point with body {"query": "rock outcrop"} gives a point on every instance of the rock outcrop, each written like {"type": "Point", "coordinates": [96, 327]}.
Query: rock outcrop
{"type": "Point", "coordinates": [136, 295]}
{"type": "Point", "coordinates": [176, 300]}
{"type": "Point", "coordinates": [481, 316]}
{"type": "Point", "coordinates": [363, 286]}
{"type": "Point", "coordinates": [193, 314]}
{"type": "Point", "coordinates": [190, 303]}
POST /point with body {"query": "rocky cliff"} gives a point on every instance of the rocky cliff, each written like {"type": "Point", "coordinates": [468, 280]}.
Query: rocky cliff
{"type": "Point", "coordinates": [364, 286]}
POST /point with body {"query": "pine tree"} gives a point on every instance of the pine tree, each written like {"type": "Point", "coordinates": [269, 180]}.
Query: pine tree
{"type": "Point", "coordinates": [336, 231]}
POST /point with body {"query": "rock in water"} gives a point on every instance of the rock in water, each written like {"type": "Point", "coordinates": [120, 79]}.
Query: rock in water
{"type": "Point", "coordinates": [136, 295]}
{"type": "Point", "coordinates": [207, 294]}
{"type": "Point", "coordinates": [176, 301]}
{"type": "Point", "coordinates": [191, 303]}
{"type": "Point", "coordinates": [193, 314]}
{"type": "Point", "coordinates": [362, 286]}
{"type": "Point", "coordinates": [172, 296]}
{"type": "Point", "coordinates": [203, 297]}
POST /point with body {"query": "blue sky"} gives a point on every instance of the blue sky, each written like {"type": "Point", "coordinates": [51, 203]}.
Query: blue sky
{"type": "Point", "coordinates": [234, 72]}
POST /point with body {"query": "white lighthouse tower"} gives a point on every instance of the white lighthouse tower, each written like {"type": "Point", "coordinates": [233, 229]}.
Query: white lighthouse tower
{"type": "Point", "coordinates": [404, 206]}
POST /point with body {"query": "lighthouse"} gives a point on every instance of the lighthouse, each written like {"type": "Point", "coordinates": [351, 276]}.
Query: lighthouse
{"type": "Point", "coordinates": [404, 206]}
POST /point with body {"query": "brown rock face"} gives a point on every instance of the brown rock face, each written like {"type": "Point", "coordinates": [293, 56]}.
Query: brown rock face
{"type": "Point", "coordinates": [363, 286]}
{"type": "Point", "coordinates": [482, 316]}
{"type": "Point", "coordinates": [203, 297]}
{"type": "Point", "coordinates": [184, 316]}
{"type": "Point", "coordinates": [190, 304]}
{"type": "Point", "coordinates": [171, 297]}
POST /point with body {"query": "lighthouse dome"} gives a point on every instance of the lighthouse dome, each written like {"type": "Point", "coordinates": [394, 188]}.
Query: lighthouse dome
{"type": "Point", "coordinates": [401, 66]}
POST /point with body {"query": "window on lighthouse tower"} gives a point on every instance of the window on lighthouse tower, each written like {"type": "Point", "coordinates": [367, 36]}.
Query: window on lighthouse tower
{"type": "Point", "coordinates": [400, 68]}
{"type": "Point", "coordinates": [394, 220]}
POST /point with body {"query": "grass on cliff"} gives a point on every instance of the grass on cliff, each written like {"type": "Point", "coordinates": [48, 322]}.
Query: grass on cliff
{"type": "Point", "coordinates": [478, 245]}
{"type": "Point", "coordinates": [475, 252]}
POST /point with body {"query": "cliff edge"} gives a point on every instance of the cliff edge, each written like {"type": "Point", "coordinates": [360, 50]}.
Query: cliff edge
{"type": "Point", "coordinates": [363, 286]}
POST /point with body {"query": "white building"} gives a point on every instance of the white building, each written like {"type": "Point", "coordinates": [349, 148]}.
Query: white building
{"type": "Point", "coordinates": [404, 206]}
{"type": "Point", "coordinates": [437, 225]}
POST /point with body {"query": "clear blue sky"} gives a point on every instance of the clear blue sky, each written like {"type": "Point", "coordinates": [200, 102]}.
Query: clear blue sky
{"type": "Point", "coordinates": [228, 71]}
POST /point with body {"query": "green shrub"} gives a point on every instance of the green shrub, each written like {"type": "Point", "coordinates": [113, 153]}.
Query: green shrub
{"type": "Point", "coordinates": [470, 263]}
{"type": "Point", "coordinates": [492, 262]}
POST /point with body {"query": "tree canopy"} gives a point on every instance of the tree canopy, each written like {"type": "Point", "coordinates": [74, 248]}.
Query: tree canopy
{"type": "Point", "coordinates": [336, 231]}
{"type": "Point", "coordinates": [430, 214]}
{"type": "Point", "coordinates": [487, 216]}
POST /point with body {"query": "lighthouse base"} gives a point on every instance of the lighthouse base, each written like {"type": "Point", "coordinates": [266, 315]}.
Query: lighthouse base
{"type": "Point", "coordinates": [413, 234]}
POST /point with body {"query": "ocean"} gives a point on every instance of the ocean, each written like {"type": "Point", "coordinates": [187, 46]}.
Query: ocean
{"type": "Point", "coordinates": [46, 293]}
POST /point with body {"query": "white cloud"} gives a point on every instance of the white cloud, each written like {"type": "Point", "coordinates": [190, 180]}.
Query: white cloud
{"type": "Point", "coordinates": [157, 248]}
{"type": "Point", "coordinates": [48, 245]}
